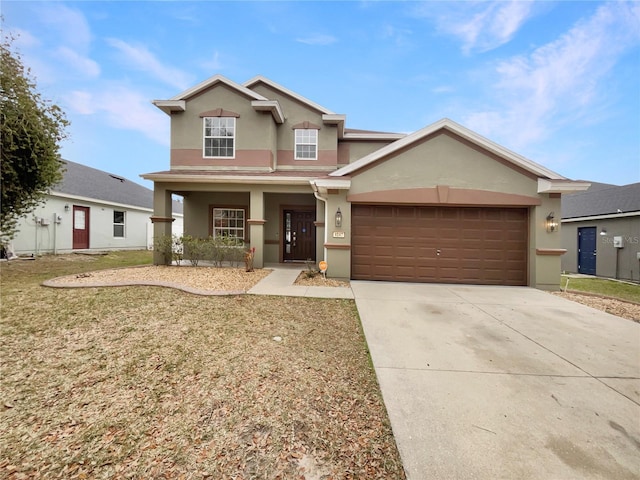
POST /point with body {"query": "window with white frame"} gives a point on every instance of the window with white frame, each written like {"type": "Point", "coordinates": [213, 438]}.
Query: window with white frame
{"type": "Point", "coordinates": [118, 223]}
{"type": "Point", "coordinates": [229, 223]}
{"type": "Point", "coordinates": [219, 137]}
{"type": "Point", "coordinates": [306, 144]}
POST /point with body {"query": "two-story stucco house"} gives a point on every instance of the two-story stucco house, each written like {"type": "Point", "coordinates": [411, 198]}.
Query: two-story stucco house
{"type": "Point", "coordinates": [443, 204]}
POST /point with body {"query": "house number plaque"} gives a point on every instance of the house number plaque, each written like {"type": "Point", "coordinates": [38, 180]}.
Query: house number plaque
{"type": "Point", "coordinates": [338, 234]}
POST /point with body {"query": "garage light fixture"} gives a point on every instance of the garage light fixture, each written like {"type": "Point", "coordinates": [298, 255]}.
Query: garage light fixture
{"type": "Point", "coordinates": [338, 218]}
{"type": "Point", "coordinates": [603, 232]}
{"type": "Point", "coordinates": [552, 224]}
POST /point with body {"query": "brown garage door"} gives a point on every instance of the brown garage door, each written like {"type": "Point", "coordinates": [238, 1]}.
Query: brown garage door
{"type": "Point", "coordinates": [486, 246]}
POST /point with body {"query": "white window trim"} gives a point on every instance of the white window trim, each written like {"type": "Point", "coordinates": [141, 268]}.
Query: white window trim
{"type": "Point", "coordinates": [124, 225]}
{"type": "Point", "coordinates": [204, 138]}
{"type": "Point", "coordinates": [235, 209]}
{"type": "Point", "coordinates": [295, 144]}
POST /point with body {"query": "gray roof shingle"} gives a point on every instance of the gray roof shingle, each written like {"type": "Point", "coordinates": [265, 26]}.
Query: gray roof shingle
{"type": "Point", "coordinates": [602, 199]}
{"type": "Point", "coordinates": [90, 182]}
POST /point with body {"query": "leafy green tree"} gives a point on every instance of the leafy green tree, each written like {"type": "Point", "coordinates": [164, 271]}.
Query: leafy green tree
{"type": "Point", "coordinates": [31, 129]}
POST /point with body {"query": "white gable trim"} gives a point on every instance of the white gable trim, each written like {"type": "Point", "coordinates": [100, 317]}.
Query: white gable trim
{"type": "Point", "coordinates": [276, 86]}
{"type": "Point", "coordinates": [212, 81]}
{"type": "Point", "coordinates": [463, 132]}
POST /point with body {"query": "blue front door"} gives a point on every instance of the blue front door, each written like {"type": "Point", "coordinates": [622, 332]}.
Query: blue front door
{"type": "Point", "coordinates": [587, 250]}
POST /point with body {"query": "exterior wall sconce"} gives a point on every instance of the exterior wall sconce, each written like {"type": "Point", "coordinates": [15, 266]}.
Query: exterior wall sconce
{"type": "Point", "coordinates": [338, 218]}
{"type": "Point", "coordinates": [552, 224]}
{"type": "Point", "coordinates": [66, 207]}
{"type": "Point", "coordinates": [603, 232]}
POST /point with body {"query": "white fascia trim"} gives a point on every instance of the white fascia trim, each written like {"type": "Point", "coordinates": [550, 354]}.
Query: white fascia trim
{"type": "Point", "coordinates": [236, 179]}
{"type": "Point", "coordinates": [561, 186]}
{"type": "Point", "coordinates": [458, 129]}
{"type": "Point", "coordinates": [276, 86]}
{"type": "Point", "coordinates": [374, 136]}
{"type": "Point", "coordinates": [336, 119]}
{"type": "Point", "coordinates": [269, 106]}
{"type": "Point", "coordinates": [330, 183]}
{"type": "Point", "coordinates": [99, 201]}
{"type": "Point", "coordinates": [168, 106]}
{"type": "Point", "coordinates": [600, 217]}
{"type": "Point", "coordinates": [212, 81]}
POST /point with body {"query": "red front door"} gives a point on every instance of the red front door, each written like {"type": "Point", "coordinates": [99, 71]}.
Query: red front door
{"type": "Point", "coordinates": [80, 227]}
{"type": "Point", "coordinates": [299, 235]}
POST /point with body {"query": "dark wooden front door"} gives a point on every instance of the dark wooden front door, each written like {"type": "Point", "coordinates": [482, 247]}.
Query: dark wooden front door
{"type": "Point", "coordinates": [587, 250]}
{"type": "Point", "coordinates": [80, 227]}
{"type": "Point", "coordinates": [299, 235]}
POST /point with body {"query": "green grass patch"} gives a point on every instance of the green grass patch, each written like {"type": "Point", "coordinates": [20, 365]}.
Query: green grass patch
{"type": "Point", "coordinates": [601, 286]}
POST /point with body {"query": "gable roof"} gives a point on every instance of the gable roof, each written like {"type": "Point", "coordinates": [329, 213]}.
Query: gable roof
{"type": "Point", "coordinates": [461, 131]}
{"type": "Point", "coordinates": [602, 199]}
{"type": "Point", "coordinates": [82, 181]}
{"type": "Point", "coordinates": [276, 86]}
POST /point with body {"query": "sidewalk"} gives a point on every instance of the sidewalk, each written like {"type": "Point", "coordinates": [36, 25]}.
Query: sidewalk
{"type": "Point", "coordinates": [280, 282]}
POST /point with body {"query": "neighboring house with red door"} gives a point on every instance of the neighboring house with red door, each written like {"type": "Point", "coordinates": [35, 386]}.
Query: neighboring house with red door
{"type": "Point", "coordinates": [90, 210]}
{"type": "Point", "coordinates": [259, 162]}
{"type": "Point", "coordinates": [601, 231]}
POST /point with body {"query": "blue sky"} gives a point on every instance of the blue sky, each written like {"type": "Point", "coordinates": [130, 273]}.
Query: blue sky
{"type": "Point", "coordinates": [556, 82]}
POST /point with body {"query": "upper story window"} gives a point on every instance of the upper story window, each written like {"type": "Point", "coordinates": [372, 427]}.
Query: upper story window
{"type": "Point", "coordinates": [118, 224]}
{"type": "Point", "coordinates": [219, 137]}
{"type": "Point", "coordinates": [306, 144]}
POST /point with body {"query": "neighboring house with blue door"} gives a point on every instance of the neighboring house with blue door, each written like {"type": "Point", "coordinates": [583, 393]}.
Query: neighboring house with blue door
{"type": "Point", "coordinates": [91, 210]}
{"type": "Point", "coordinates": [601, 231]}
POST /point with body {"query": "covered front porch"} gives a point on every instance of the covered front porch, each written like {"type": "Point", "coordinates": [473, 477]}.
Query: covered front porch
{"type": "Point", "coordinates": [284, 222]}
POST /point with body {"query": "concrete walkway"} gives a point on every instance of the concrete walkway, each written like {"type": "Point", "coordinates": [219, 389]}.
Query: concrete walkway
{"type": "Point", "coordinates": [280, 282]}
{"type": "Point", "coordinates": [504, 382]}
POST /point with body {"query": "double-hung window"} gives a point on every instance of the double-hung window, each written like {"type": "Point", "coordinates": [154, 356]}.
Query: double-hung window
{"type": "Point", "coordinates": [219, 137]}
{"type": "Point", "coordinates": [229, 223]}
{"type": "Point", "coordinates": [306, 144]}
{"type": "Point", "coordinates": [118, 224]}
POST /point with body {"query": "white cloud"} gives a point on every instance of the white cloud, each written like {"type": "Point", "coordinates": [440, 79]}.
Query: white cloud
{"type": "Point", "coordinates": [318, 39]}
{"type": "Point", "coordinates": [562, 81]}
{"type": "Point", "coordinates": [141, 58]}
{"type": "Point", "coordinates": [81, 102]}
{"type": "Point", "coordinates": [481, 26]}
{"type": "Point", "coordinates": [78, 62]}
{"type": "Point", "coordinates": [71, 26]}
{"type": "Point", "coordinates": [123, 108]}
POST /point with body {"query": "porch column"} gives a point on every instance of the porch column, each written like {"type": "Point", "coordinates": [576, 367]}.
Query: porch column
{"type": "Point", "coordinates": [256, 223]}
{"type": "Point", "coordinates": [162, 220]}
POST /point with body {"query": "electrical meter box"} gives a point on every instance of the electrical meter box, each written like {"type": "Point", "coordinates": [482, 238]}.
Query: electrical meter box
{"type": "Point", "coordinates": [618, 242]}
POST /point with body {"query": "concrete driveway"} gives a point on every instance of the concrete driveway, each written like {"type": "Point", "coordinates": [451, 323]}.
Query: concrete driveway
{"type": "Point", "coordinates": [504, 382]}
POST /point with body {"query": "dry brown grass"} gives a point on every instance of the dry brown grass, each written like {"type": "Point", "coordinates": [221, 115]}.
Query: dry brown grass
{"type": "Point", "coordinates": [148, 382]}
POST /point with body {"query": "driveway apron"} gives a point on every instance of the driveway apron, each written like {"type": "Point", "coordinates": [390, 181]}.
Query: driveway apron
{"type": "Point", "coordinates": [504, 382]}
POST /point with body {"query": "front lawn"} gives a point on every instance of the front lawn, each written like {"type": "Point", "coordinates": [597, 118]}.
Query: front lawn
{"type": "Point", "coordinates": [149, 382]}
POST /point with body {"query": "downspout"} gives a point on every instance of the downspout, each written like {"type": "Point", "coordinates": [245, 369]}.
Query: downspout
{"type": "Point", "coordinates": [316, 194]}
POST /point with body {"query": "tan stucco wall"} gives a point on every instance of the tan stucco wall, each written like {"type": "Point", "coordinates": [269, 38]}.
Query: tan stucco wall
{"type": "Point", "coordinates": [254, 130]}
{"type": "Point", "coordinates": [445, 160]}
{"type": "Point", "coordinates": [295, 113]}
{"type": "Point", "coordinates": [350, 151]}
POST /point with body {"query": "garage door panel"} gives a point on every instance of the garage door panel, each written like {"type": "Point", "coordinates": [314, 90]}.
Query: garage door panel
{"type": "Point", "coordinates": [477, 245]}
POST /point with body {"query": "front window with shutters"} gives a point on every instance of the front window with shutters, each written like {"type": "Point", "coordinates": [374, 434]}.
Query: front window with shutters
{"type": "Point", "coordinates": [219, 137]}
